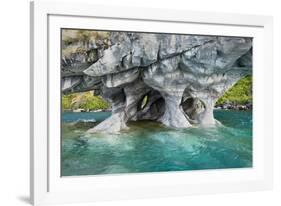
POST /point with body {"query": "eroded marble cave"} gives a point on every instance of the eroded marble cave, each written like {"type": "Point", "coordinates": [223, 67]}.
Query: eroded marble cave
{"type": "Point", "coordinates": [182, 76]}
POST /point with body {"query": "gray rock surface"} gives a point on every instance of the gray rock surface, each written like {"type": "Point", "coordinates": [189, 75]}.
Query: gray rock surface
{"type": "Point", "coordinates": [182, 77]}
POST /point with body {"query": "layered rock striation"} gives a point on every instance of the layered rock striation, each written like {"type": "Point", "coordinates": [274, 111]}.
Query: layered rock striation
{"type": "Point", "coordinates": [181, 76]}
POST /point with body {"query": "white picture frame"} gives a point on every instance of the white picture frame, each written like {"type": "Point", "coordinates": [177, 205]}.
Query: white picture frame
{"type": "Point", "coordinates": [47, 18]}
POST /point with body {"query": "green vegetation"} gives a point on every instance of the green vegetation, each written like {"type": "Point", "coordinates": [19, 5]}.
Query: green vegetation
{"type": "Point", "coordinates": [144, 102]}
{"type": "Point", "coordinates": [240, 93]}
{"type": "Point", "coordinates": [83, 100]}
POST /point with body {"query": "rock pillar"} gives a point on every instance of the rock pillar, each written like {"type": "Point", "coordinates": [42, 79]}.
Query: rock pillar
{"type": "Point", "coordinates": [174, 115]}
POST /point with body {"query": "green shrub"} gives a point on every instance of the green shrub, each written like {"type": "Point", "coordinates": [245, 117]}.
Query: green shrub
{"type": "Point", "coordinates": [240, 93]}
{"type": "Point", "coordinates": [83, 100]}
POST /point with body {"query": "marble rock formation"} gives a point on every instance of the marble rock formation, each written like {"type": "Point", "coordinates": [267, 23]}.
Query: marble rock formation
{"type": "Point", "coordinates": [182, 76]}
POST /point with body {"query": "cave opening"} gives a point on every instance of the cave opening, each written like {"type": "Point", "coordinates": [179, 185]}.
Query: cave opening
{"type": "Point", "coordinates": [193, 107]}
{"type": "Point", "coordinates": [151, 106]}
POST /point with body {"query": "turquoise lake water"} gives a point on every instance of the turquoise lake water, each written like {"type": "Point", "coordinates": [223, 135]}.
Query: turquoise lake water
{"type": "Point", "coordinates": [150, 147]}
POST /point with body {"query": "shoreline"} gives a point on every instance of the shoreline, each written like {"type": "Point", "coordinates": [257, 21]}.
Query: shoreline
{"type": "Point", "coordinates": [218, 107]}
{"type": "Point", "coordinates": [237, 107]}
{"type": "Point", "coordinates": [223, 106]}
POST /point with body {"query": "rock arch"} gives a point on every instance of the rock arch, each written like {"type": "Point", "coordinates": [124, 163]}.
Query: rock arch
{"type": "Point", "coordinates": [181, 75]}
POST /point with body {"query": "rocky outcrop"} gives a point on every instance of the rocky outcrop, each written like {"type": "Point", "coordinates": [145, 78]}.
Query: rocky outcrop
{"type": "Point", "coordinates": [181, 76]}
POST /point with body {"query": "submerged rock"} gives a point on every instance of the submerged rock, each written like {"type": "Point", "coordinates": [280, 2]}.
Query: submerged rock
{"type": "Point", "coordinates": [181, 76]}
